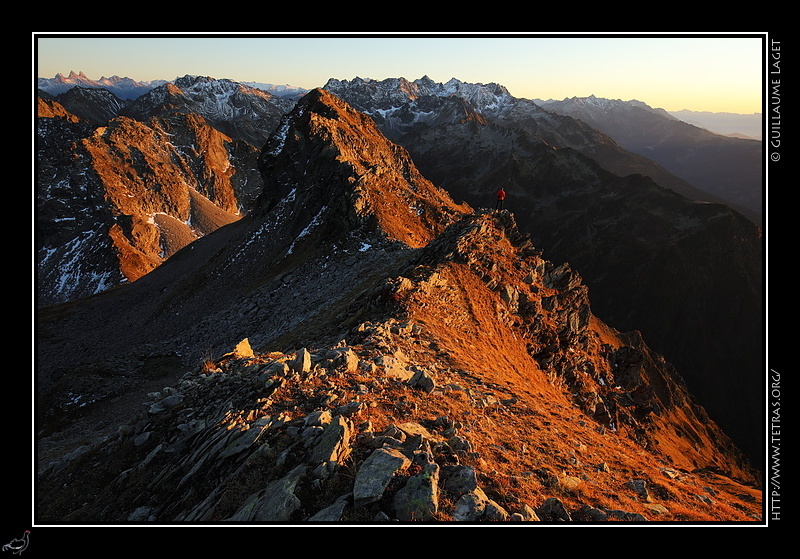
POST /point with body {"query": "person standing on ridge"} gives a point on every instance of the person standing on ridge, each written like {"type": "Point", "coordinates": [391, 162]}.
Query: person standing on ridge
{"type": "Point", "coordinates": [501, 195]}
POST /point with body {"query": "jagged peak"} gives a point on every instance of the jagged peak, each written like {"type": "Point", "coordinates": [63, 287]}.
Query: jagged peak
{"type": "Point", "coordinates": [328, 156]}
{"type": "Point", "coordinates": [204, 84]}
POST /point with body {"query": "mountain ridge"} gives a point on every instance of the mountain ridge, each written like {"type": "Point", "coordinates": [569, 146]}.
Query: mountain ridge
{"type": "Point", "coordinates": [123, 87]}
{"type": "Point", "coordinates": [620, 231]}
{"type": "Point", "coordinates": [145, 179]}
{"type": "Point", "coordinates": [130, 89]}
{"type": "Point", "coordinates": [50, 85]}
{"type": "Point", "coordinates": [465, 359]}
{"type": "Point", "coordinates": [727, 167]}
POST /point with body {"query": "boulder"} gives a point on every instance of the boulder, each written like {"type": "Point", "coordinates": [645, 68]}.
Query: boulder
{"type": "Point", "coordinates": [243, 349]}
{"type": "Point", "coordinates": [476, 506]}
{"type": "Point", "coordinates": [276, 503]}
{"type": "Point", "coordinates": [418, 499]}
{"type": "Point", "coordinates": [553, 510]}
{"type": "Point", "coordinates": [396, 366]}
{"type": "Point", "coordinates": [375, 474]}
{"type": "Point", "coordinates": [457, 480]}
{"type": "Point", "coordinates": [333, 512]}
{"type": "Point", "coordinates": [422, 380]}
{"type": "Point", "coordinates": [334, 442]}
{"type": "Point", "coordinates": [640, 487]}
{"type": "Point", "coordinates": [302, 361]}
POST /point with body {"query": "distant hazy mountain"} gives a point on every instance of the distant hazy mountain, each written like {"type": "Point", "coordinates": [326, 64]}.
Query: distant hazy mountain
{"type": "Point", "coordinates": [127, 88]}
{"type": "Point", "coordinates": [729, 124]}
{"type": "Point", "coordinates": [124, 88]}
{"type": "Point", "coordinates": [727, 167]}
{"type": "Point", "coordinates": [279, 90]}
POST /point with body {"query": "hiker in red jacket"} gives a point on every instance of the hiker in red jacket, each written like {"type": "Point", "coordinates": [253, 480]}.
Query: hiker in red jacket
{"type": "Point", "coordinates": [501, 195]}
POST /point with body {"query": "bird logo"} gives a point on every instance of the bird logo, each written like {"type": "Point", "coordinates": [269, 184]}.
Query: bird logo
{"type": "Point", "coordinates": [18, 545]}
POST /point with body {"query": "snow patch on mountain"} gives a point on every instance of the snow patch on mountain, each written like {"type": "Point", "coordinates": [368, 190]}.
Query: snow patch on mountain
{"type": "Point", "coordinates": [308, 229]}
{"type": "Point", "coordinates": [69, 262]}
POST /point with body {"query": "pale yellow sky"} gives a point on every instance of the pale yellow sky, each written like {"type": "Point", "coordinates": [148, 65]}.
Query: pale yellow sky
{"type": "Point", "coordinates": [715, 73]}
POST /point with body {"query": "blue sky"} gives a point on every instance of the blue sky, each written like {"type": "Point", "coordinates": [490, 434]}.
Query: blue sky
{"type": "Point", "coordinates": [712, 72]}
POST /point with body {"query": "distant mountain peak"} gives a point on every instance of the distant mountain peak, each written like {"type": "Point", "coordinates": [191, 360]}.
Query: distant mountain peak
{"type": "Point", "coordinates": [403, 89]}
{"type": "Point", "coordinates": [124, 88]}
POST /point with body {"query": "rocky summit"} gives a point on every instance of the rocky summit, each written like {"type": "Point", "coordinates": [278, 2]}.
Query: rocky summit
{"type": "Point", "coordinates": [360, 349]}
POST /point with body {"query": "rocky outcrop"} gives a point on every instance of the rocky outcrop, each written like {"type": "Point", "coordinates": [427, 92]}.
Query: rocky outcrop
{"type": "Point", "coordinates": [330, 159]}
{"type": "Point", "coordinates": [288, 458]}
{"type": "Point", "coordinates": [367, 430]}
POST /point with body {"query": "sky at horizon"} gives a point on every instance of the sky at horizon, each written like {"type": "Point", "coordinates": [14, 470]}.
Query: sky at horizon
{"type": "Point", "coordinates": [711, 72]}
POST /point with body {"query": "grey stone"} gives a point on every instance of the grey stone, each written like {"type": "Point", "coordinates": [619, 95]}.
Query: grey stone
{"type": "Point", "coordinates": [493, 512]}
{"type": "Point", "coordinates": [395, 366]}
{"type": "Point", "coordinates": [166, 403]}
{"type": "Point", "coordinates": [318, 418]}
{"type": "Point", "coordinates": [639, 486]}
{"type": "Point", "coordinates": [423, 381]}
{"type": "Point", "coordinates": [348, 360]}
{"type": "Point", "coordinates": [459, 444]}
{"type": "Point", "coordinates": [528, 514]}
{"type": "Point", "coordinates": [592, 514]}
{"type": "Point", "coordinates": [470, 506]}
{"type": "Point", "coordinates": [334, 441]}
{"type": "Point", "coordinates": [553, 510]}
{"type": "Point", "coordinates": [332, 513]}
{"type": "Point", "coordinates": [458, 480]}
{"type": "Point", "coordinates": [418, 499]}
{"type": "Point", "coordinates": [277, 502]}
{"type": "Point", "coordinates": [302, 361]}
{"type": "Point", "coordinates": [241, 442]}
{"type": "Point", "coordinates": [375, 474]}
